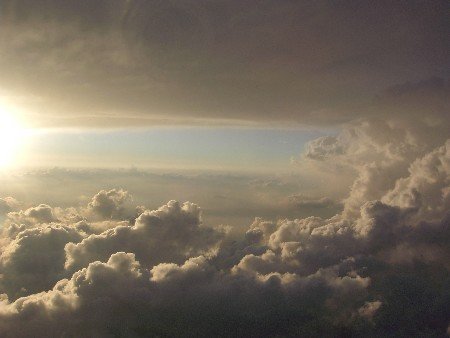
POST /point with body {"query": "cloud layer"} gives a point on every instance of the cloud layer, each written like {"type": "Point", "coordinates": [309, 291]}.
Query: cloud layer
{"type": "Point", "coordinates": [117, 63]}
{"type": "Point", "coordinates": [107, 266]}
{"type": "Point", "coordinates": [378, 268]}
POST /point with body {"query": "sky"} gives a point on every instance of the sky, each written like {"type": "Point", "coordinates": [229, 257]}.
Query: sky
{"type": "Point", "coordinates": [218, 148]}
{"type": "Point", "coordinates": [267, 168]}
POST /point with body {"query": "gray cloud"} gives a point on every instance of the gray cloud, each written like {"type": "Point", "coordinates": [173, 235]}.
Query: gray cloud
{"type": "Point", "coordinates": [382, 259]}
{"type": "Point", "coordinates": [108, 266]}
{"type": "Point", "coordinates": [170, 234]}
{"type": "Point", "coordinates": [323, 147]}
{"type": "Point", "coordinates": [170, 299]}
{"type": "Point", "coordinates": [34, 260]}
{"type": "Point", "coordinates": [140, 62]}
{"type": "Point", "coordinates": [42, 213]}
{"type": "Point", "coordinates": [303, 201]}
{"type": "Point", "coordinates": [242, 195]}
{"type": "Point", "coordinates": [109, 204]}
{"type": "Point", "coordinates": [379, 152]}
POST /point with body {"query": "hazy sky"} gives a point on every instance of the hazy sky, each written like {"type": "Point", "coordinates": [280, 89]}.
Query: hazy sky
{"type": "Point", "coordinates": [312, 66]}
{"type": "Point", "coordinates": [201, 148]}
{"type": "Point", "coordinates": [224, 168]}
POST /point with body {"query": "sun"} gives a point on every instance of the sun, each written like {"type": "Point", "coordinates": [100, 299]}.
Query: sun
{"type": "Point", "coordinates": [12, 136]}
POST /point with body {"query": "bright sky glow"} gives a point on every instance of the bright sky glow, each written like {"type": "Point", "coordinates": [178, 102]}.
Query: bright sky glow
{"type": "Point", "coordinates": [13, 134]}
{"type": "Point", "coordinates": [174, 148]}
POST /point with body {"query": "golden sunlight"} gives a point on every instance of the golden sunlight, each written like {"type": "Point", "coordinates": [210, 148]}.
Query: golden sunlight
{"type": "Point", "coordinates": [12, 136]}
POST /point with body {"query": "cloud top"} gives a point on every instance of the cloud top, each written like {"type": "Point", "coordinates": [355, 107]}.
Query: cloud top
{"type": "Point", "coordinates": [100, 270]}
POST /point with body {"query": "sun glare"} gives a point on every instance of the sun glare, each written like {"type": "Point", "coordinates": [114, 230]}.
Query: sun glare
{"type": "Point", "coordinates": [12, 137]}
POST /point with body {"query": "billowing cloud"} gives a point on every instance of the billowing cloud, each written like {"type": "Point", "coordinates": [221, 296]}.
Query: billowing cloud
{"type": "Point", "coordinates": [378, 268]}
{"type": "Point", "coordinates": [109, 204]}
{"type": "Point", "coordinates": [121, 297]}
{"type": "Point", "coordinates": [379, 152]}
{"type": "Point", "coordinates": [367, 256]}
{"type": "Point", "coordinates": [42, 213]}
{"type": "Point", "coordinates": [170, 234]}
{"type": "Point", "coordinates": [427, 188]}
{"type": "Point", "coordinates": [34, 260]}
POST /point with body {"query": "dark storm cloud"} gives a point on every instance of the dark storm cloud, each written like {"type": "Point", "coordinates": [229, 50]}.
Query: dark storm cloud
{"type": "Point", "coordinates": [155, 62]}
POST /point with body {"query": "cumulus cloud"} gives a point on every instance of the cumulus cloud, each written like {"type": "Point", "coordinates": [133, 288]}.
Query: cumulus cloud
{"type": "Point", "coordinates": [172, 233]}
{"type": "Point", "coordinates": [242, 195]}
{"type": "Point", "coordinates": [379, 152]}
{"type": "Point", "coordinates": [324, 147]}
{"type": "Point", "coordinates": [34, 260]}
{"type": "Point", "coordinates": [173, 299]}
{"type": "Point", "coordinates": [109, 204]}
{"type": "Point", "coordinates": [42, 213]}
{"type": "Point", "coordinates": [166, 273]}
{"type": "Point", "coordinates": [427, 186]}
{"type": "Point", "coordinates": [379, 267]}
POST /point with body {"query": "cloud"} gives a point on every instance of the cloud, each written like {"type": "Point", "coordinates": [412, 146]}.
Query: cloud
{"type": "Point", "coordinates": [323, 147]}
{"type": "Point", "coordinates": [108, 266]}
{"type": "Point", "coordinates": [427, 186]}
{"type": "Point", "coordinates": [172, 233]}
{"type": "Point", "coordinates": [413, 98]}
{"type": "Point", "coordinates": [112, 266]}
{"type": "Point", "coordinates": [109, 204]}
{"type": "Point", "coordinates": [42, 213]}
{"type": "Point", "coordinates": [34, 260]}
{"type": "Point", "coordinates": [7, 205]}
{"type": "Point", "coordinates": [166, 273]}
{"type": "Point", "coordinates": [246, 195]}
{"type": "Point", "coordinates": [136, 63]}
{"type": "Point", "coordinates": [303, 201]}
{"type": "Point", "coordinates": [379, 152]}
{"type": "Point", "coordinates": [369, 309]}
{"type": "Point", "coordinates": [170, 299]}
